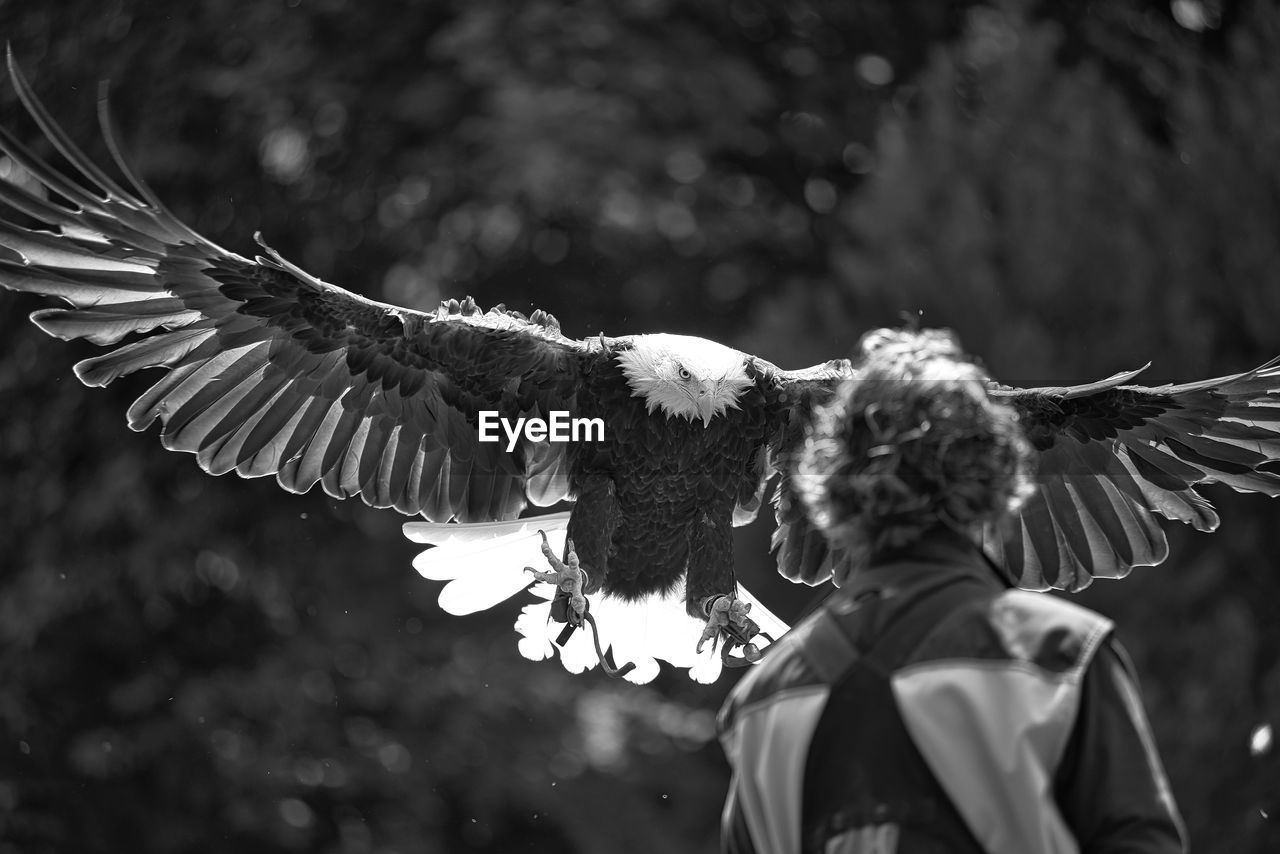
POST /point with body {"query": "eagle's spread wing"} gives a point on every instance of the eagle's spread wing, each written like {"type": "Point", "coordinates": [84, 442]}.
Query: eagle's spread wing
{"type": "Point", "coordinates": [1112, 456]}
{"type": "Point", "coordinates": [272, 371]}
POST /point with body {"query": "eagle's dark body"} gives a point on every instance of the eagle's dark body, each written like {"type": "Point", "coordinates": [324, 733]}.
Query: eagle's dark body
{"type": "Point", "coordinates": [656, 498]}
{"type": "Point", "coordinates": [271, 372]}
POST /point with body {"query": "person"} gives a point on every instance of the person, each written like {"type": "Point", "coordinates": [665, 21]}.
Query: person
{"type": "Point", "coordinates": [928, 706]}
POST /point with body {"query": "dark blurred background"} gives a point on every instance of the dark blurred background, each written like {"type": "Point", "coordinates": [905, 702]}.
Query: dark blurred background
{"type": "Point", "coordinates": [200, 664]}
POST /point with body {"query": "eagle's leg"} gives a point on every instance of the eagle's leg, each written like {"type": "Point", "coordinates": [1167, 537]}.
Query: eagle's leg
{"type": "Point", "coordinates": [595, 515]}
{"type": "Point", "coordinates": [710, 587]}
{"type": "Point", "coordinates": [586, 560]}
{"type": "Point", "coordinates": [569, 580]}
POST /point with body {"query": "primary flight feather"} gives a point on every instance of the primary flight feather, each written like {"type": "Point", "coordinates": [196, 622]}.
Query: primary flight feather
{"type": "Point", "coordinates": [271, 371]}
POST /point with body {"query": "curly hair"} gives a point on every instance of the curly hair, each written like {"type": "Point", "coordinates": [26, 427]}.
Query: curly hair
{"type": "Point", "coordinates": [911, 442]}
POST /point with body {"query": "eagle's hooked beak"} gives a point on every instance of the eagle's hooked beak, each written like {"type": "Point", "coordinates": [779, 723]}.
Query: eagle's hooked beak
{"type": "Point", "coordinates": [706, 405]}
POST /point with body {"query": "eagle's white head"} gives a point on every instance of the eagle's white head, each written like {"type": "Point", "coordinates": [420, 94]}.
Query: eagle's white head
{"type": "Point", "coordinates": [684, 376]}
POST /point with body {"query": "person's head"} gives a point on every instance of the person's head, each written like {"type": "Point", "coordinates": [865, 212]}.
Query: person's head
{"type": "Point", "coordinates": [912, 442]}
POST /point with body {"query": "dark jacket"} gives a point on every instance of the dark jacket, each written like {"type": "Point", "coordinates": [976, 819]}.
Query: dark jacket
{"type": "Point", "coordinates": [927, 707]}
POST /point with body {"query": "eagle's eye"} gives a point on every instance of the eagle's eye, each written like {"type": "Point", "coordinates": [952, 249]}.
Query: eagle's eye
{"type": "Point", "coordinates": [684, 373]}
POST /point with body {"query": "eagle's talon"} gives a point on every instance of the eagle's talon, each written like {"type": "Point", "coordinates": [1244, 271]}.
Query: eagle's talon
{"type": "Point", "coordinates": [727, 616]}
{"type": "Point", "coordinates": [568, 577]}
{"type": "Point", "coordinates": [710, 633]}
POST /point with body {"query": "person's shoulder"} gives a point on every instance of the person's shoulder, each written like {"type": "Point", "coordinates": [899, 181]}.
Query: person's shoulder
{"type": "Point", "coordinates": [1020, 627]}
{"type": "Point", "coordinates": [1047, 630]}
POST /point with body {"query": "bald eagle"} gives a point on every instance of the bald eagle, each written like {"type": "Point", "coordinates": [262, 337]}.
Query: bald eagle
{"type": "Point", "coordinates": [272, 372]}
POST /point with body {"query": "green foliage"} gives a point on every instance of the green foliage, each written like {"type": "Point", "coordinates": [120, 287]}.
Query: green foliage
{"type": "Point", "coordinates": [189, 663]}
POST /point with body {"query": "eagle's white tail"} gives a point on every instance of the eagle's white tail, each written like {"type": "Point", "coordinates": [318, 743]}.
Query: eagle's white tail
{"type": "Point", "coordinates": [484, 565]}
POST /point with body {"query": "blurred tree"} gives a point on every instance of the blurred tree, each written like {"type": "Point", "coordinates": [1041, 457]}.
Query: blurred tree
{"type": "Point", "coordinates": [189, 663]}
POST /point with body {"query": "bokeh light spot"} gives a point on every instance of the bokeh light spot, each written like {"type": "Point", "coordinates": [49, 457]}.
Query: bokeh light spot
{"type": "Point", "coordinates": [676, 221]}
{"type": "Point", "coordinates": [685, 166]}
{"type": "Point", "coordinates": [1191, 14]}
{"type": "Point", "coordinates": [285, 155]}
{"type": "Point", "coordinates": [820, 195]}
{"type": "Point", "coordinates": [858, 158]}
{"type": "Point", "coordinates": [296, 813]}
{"type": "Point", "coordinates": [395, 757]}
{"type": "Point", "coordinates": [1261, 740]}
{"type": "Point", "coordinates": [875, 69]}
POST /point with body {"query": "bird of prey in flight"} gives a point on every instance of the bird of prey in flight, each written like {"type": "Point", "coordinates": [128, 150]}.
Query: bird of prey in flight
{"type": "Point", "coordinates": [269, 371]}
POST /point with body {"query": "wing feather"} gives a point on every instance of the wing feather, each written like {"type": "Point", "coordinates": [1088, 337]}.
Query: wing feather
{"type": "Point", "coordinates": [210, 427]}
{"type": "Point", "coordinates": [435, 483]}
{"type": "Point", "coordinates": [263, 387]}
{"type": "Point", "coordinates": [1110, 516]}
{"type": "Point", "coordinates": [56, 253]}
{"type": "Point", "coordinates": [204, 390]}
{"type": "Point", "coordinates": [1078, 530]}
{"type": "Point", "coordinates": [397, 460]}
{"type": "Point", "coordinates": [304, 471]}
{"type": "Point", "coordinates": [1170, 499]}
{"type": "Point", "coordinates": [380, 441]}
{"type": "Point", "coordinates": [800, 549]}
{"type": "Point", "coordinates": [275, 432]}
{"type": "Point", "coordinates": [61, 141]}
{"type": "Point", "coordinates": [107, 287]}
{"type": "Point", "coordinates": [1040, 540]}
{"type": "Point", "coordinates": [1162, 469]}
{"type": "Point", "coordinates": [335, 477]}
{"type": "Point", "coordinates": [160, 350]}
{"type": "Point", "coordinates": [245, 417]}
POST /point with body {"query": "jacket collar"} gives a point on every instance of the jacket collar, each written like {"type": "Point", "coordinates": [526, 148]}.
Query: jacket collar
{"type": "Point", "coordinates": [939, 555]}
